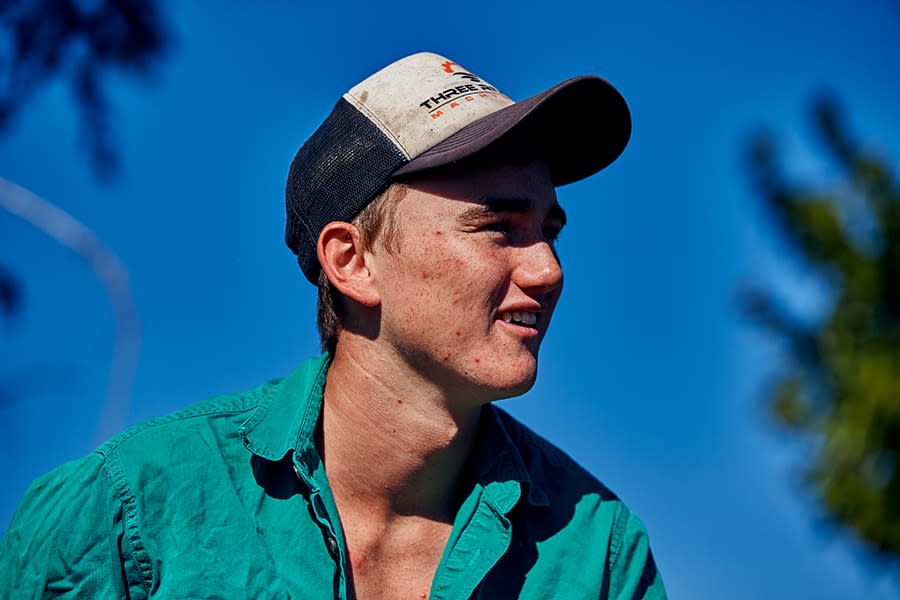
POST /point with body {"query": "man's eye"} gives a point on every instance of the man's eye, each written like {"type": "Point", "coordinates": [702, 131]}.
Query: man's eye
{"type": "Point", "coordinates": [498, 226]}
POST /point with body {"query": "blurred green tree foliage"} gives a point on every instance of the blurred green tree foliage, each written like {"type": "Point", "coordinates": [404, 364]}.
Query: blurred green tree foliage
{"type": "Point", "coordinates": [840, 387]}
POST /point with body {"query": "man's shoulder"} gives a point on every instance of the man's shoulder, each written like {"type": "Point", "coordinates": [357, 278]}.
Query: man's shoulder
{"type": "Point", "coordinates": [188, 434]}
{"type": "Point", "coordinates": [132, 487]}
{"type": "Point", "coordinates": [189, 442]}
{"type": "Point", "coordinates": [216, 412]}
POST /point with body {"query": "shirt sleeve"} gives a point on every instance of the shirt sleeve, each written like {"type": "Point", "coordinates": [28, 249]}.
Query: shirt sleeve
{"type": "Point", "coordinates": [67, 538]}
{"type": "Point", "coordinates": [633, 573]}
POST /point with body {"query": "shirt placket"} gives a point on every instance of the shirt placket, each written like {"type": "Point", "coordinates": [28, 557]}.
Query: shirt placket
{"type": "Point", "coordinates": [319, 499]}
{"type": "Point", "coordinates": [483, 540]}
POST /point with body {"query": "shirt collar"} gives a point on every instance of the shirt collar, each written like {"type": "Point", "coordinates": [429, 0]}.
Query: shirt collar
{"type": "Point", "coordinates": [286, 417]}
{"type": "Point", "coordinates": [500, 458]}
{"type": "Point", "coordinates": [288, 414]}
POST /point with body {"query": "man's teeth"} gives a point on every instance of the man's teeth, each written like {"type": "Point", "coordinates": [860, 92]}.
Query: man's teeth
{"type": "Point", "coordinates": [520, 317]}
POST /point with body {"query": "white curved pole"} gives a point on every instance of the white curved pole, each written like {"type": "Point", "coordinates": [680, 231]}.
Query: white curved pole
{"type": "Point", "coordinates": [109, 269]}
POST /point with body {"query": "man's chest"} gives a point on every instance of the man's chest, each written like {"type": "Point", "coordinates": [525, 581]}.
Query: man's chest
{"type": "Point", "coordinates": [395, 564]}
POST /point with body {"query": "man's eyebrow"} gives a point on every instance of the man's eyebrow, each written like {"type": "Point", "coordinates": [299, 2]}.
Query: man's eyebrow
{"type": "Point", "coordinates": [489, 207]}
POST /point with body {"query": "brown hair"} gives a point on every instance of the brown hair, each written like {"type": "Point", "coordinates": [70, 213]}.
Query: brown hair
{"type": "Point", "coordinates": [377, 220]}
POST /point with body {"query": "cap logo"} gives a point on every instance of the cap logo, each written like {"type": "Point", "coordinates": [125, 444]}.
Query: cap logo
{"type": "Point", "coordinates": [453, 97]}
{"type": "Point", "coordinates": [423, 99]}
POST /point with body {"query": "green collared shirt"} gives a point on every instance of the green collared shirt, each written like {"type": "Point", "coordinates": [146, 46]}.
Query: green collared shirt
{"type": "Point", "coordinates": [229, 499]}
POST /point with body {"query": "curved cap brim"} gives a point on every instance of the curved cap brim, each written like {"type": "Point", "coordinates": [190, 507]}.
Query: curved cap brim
{"type": "Point", "coordinates": [578, 127]}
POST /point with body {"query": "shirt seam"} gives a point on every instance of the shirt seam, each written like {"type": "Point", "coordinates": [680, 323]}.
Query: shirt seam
{"type": "Point", "coordinates": [618, 536]}
{"type": "Point", "coordinates": [112, 445]}
{"type": "Point", "coordinates": [115, 473]}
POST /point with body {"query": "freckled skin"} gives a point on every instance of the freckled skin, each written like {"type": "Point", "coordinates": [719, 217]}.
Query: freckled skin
{"type": "Point", "coordinates": [448, 325]}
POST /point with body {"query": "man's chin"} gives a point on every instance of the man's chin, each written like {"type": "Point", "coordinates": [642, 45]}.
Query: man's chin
{"type": "Point", "coordinates": [513, 387]}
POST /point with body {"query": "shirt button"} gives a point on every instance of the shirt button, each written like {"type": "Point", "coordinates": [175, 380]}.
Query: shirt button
{"type": "Point", "coordinates": [333, 546]}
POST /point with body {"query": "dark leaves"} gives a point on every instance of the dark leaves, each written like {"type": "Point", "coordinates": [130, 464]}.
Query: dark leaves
{"type": "Point", "coordinates": [77, 41]}
{"type": "Point", "coordinates": [10, 293]}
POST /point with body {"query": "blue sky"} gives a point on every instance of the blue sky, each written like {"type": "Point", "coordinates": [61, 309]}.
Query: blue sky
{"type": "Point", "coordinates": [649, 376]}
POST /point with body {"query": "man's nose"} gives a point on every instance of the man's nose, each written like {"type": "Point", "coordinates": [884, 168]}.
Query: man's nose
{"type": "Point", "coordinates": [538, 268]}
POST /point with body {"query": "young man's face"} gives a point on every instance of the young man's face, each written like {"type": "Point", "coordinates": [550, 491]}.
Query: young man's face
{"type": "Point", "coordinates": [468, 293]}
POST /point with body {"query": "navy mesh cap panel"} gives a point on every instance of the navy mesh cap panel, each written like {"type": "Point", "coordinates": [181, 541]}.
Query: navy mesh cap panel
{"type": "Point", "coordinates": [346, 163]}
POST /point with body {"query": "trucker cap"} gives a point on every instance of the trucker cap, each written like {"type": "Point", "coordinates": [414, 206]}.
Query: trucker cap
{"type": "Point", "coordinates": [424, 112]}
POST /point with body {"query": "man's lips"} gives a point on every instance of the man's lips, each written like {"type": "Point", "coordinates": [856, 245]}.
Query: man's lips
{"type": "Point", "coordinates": [521, 322]}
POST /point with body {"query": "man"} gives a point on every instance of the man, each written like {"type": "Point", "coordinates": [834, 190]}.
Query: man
{"type": "Point", "coordinates": [424, 208]}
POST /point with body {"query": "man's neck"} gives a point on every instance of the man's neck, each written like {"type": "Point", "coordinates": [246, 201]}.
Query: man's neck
{"type": "Point", "coordinates": [393, 446]}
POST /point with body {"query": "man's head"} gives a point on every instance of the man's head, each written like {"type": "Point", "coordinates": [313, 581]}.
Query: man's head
{"type": "Point", "coordinates": [463, 286]}
{"type": "Point", "coordinates": [420, 119]}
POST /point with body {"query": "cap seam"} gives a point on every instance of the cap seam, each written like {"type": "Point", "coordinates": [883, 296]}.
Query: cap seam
{"type": "Point", "coordinates": [382, 127]}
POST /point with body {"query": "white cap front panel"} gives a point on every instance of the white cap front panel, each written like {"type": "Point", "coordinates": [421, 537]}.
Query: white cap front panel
{"type": "Point", "coordinates": [423, 99]}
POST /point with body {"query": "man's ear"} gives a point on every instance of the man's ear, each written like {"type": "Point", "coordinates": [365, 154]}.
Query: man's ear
{"type": "Point", "coordinates": [342, 257]}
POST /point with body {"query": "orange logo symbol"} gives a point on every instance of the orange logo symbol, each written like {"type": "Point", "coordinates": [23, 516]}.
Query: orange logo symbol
{"type": "Point", "coordinates": [448, 66]}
